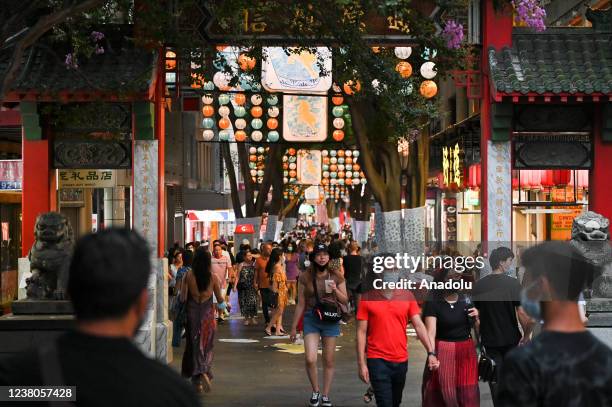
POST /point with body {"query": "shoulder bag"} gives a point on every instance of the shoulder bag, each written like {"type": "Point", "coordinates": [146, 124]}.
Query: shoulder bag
{"type": "Point", "coordinates": [324, 311]}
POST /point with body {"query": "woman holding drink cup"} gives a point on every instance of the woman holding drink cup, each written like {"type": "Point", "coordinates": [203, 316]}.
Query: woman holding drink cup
{"type": "Point", "coordinates": [320, 292]}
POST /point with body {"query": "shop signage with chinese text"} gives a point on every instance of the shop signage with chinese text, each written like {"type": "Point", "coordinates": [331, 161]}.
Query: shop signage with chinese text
{"type": "Point", "coordinates": [86, 178]}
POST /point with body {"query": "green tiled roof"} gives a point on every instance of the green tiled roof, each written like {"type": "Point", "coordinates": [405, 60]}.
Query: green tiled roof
{"type": "Point", "coordinates": [122, 68]}
{"type": "Point", "coordinates": [558, 60]}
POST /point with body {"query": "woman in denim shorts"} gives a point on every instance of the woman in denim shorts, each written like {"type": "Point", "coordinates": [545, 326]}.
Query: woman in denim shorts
{"type": "Point", "coordinates": [314, 328]}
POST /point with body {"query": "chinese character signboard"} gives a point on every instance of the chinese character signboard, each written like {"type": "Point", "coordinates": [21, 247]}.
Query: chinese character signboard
{"type": "Point", "coordinates": [452, 165]}
{"type": "Point", "coordinates": [145, 190]}
{"type": "Point", "coordinates": [11, 174]}
{"type": "Point", "coordinates": [86, 178]}
{"type": "Point", "coordinates": [499, 192]}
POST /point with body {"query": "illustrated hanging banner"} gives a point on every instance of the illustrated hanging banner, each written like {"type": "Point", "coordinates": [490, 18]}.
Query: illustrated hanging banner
{"type": "Point", "coordinates": [309, 167]}
{"type": "Point", "coordinates": [282, 70]}
{"type": "Point", "coordinates": [304, 118]}
{"type": "Point", "coordinates": [499, 192]}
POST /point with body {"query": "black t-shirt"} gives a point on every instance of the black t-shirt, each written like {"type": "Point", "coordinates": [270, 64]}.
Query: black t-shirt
{"type": "Point", "coordinates": [105, 371]}
{"type": "Point", "coordinates": [558, 370]}
{"type": "Point", "coordinates": [496, 296]}
{"type": "Point", "coordinates": [452, 323]}
{"type": "Point", "coordinates": [352, 270]}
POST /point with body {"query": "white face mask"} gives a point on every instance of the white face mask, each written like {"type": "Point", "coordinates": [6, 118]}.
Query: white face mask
{"type": "Point", "coordinates": [306, 263]}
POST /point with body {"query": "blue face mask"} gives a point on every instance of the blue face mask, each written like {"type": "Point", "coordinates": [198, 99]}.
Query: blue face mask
{"type": "Point", "coordinates": [530, 306]}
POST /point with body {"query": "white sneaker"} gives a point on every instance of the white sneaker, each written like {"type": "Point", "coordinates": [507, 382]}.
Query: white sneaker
{"type": "Point", "coordinates": [314, 399]}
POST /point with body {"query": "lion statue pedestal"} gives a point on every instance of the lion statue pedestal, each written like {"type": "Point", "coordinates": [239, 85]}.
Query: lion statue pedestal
{"type": "Point", "coordinates": [591, 236]}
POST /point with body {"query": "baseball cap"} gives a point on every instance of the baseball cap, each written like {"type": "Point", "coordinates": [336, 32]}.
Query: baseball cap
{"type": "Point", "coordinates": [320, 248]}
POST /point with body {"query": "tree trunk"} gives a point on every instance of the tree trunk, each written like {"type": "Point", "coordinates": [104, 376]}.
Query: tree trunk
{"type": "Point", "coordinates": [359, 208]}
{"type": "Point", "coordinates": [231, 173]}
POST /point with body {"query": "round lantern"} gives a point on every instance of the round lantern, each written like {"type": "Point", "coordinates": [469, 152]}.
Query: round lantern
{"type": "Point", "coordinates": [272, 100]}
{"type": "Point", "coordinates": [224, 135]}
{"type": "Point", "coordinates": [325, 160]}
{"type": "Point", "coordinates": [253, 150]}
{"type": "Point", "coordinates": [257, 136]}
{"type": "Point", "coordinates": [239, 111]}
{"type": "Point", "coordinates": [325, 174]}
{"type": "Point", "coordinates": [253, 173]}
{"type": "Point", "coordinates": [240, 124]}
{"type": "Point", "coordinates": [224, 111]}
{"type": "Point", "coordinates": [337, 100]}
{"type": "Point", "coordinates": [338, 122]}
{"type": "Point", "coordinates": [285, 166]}
{"type": "Point", "coordinates": [209, 86]}
{"type": "Point", "coordinates": [273, 111]}
{"type": "Point", "coordinates": [341, 153]}
{"type": "Point", "coordinates": [348, 153]}
{"type": "Point", "coordinates": [404, 69]}
{"type": "Point", "coordinates": [260, 173]}
{"type": "Point", "coordinates": [224, 123]}
{"type": "Point", "coordinates": [428, 89]}
{"type": "Point", "coordinates": [364, 181]}
{"type": "Point", "coordinates": [333, 153]}
{"type": "Point", "coordinates": [341, 160]}
{"type": "Point", "coordinates": [324, 153]}
{"type": "Point", "coordinates": [293, 173]}
{"type": "Point", "coordinates": [333, 160]}
{"type": "Point", "coordinates": [240, 99]}
{"type": "Point", "coordinates": [402, 52]}
{"type": "Point", "coordinates": [292, 166]}
{"type": "Point", "coordinates": [428, 70]}
{"type": "Point", "coordinates": [256, 100]}
{"type": "Point", "coordinates": [208, 135]}
{"type": "Point", "coordinates": [351, 87]}
{"type": "Point", "coordinates": [356, 167]}
{"type": "Point", "coordinates": [349, 167]}
{"type": "Point", "coordinates": [256, 124]}
{"type": "Point", "coordinates": [333, 167]}
{"type": "Point", "coordinates": [356, 181]}
{"type": "Point", "coordinates": [221, 80]}
{"type": "Point", "coordinates": [349, 174]}
{"type": "Point", "coordinates": [256, 111]}
{"type": "Point", "coordinates": [338, 111]}
{"type": "Point", "coordinates": [240, 135]}
{"type": "Point", "coordinates": [273, 136]}
{"type": "Point", "coordinates": [338, 135]}
{"type": "Point", "coordinates": [547, 179]}
{"type": "Point", "coordinates": [561, 177]}
{"type": "Point", "coordinates": [325, 167]}
{"type": "Point", "coordinates": [224, 99]}
{"type": "Point", "coordinates": [341, 174]}
{"type": "Point", "coordinates": [356, 153]}
{"type": "Point", "coordinates": [208, 110]}
{"type": "Point", "coordinates": [333, 174]}
{"type": "Point", "coordinates": [207, 99]}
{"type": "Point", "coordinates": [208, 123]}
{"type": "Point", "coordinates": [252, 158]}
{"type": "Point", "coordinates": [340, 182]}
{"type": "Point", "coordinates": [246, 62]}
{"type": "Point", "coordinates": [272, 123]}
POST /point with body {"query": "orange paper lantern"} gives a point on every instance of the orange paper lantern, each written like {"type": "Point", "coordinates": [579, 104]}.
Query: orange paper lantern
{"type": "Point", "coordinates": [404, 68]}
{"type": "Point", "coordinates": [256, 111]}
{"type": "Point", "coordinates": [240, 135]}
{"type": "Point", "coordinates": [428, 89]}
{"type": "Point", "coordinates": [337, 100]}
{"type": "Point", "coordinates": [324, 181]}
{"type": "Point", "coordinates": [292, 151]}
{"type": "Point", "coordinates": [240, 99]}
{"type": "Point", "coordinates": [340, 174]}
{"type": "Point", "coordinates": [350, 88]}
{"type": "Point", "coordinates": [340, 153]}
{"type": "Point", "coordinates": [272, 123]}
{"type": "Point", "coordinates": [224, 123]}
{"type": "Point", "coordinates": [292, 173]}
{"type": "Point", "coordinates": [246, 62]}
{"type": "Point", "coordinates": [333, 168]}
{"type": "Point", "coordinates": [208, 110]}
{"type": "Point", "coordinates": [338, 135]}
{"type": "Point", "coordinates": [252, 158]}
{"type": "Point", "coordinates": [356, 167]}
{"type": "Point", "coordinates": [325, 160]}
{"type": "Point", "coordinates": [348, 160]}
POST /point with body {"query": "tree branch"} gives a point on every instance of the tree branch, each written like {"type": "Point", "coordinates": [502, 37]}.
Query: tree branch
{"type": "Point", "coordinates": [42, 26]}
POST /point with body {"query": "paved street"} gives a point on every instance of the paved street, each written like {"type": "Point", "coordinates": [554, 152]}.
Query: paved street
{"type": "Point", "coordinates": [258, 374]}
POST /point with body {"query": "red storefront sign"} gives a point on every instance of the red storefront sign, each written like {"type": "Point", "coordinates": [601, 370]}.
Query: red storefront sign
{"type": "Point", "coordinates": [244, 229]}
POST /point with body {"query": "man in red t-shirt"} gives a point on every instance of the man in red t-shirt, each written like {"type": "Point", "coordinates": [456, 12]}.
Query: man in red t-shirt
{"type": "Point", "coordinates": [382, 318]}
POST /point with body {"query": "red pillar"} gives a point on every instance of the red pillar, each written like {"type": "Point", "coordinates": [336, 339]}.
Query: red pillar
{"type": "Point", "coordinates": [36, 189]}
{"type": "Point", "coordinates": [600, 193]}
{"type": "Point", "coordinates": [160, 135]}
{"type": "Point", "coordinates": [497, 33]}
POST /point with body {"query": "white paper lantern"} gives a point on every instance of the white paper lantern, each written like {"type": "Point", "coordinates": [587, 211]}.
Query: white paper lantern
{"type": "Point", "coordinates": [260, 150]}
{"type": "Point", "coordinates": [292, 166]}
{"type": "Point", "coordinates": [224, 111]}
{"type": "Point", "coordinates": [356, 153]}
{"type": "Point", "coordinates": [207, 99]}
{"type": "Point", "coordinates": [253, 173]}
{"type": "Point", "coordinates": [428, 70]}
{"type": "Point", "coordinates": [285, 180]}
{"type": "Point", "coordinates": [222, 80]}
{"type": "Point", "coordinates": [348, 153]}
{"type": "Point", "coordinates": [256, 100]}
{"type": "Point", "coordinates": [403, 52]}
{"type": "Point", "coordinates": [260, 173]}
{"type": "Point", "coordinates": [349, 174]}
{"type": "Point", "coordinates": [253, 150]}
{"type": "Point", "coordinates": [356, 181]}
{"type": "Point", "coordinates": [338, 122]}
{"type": "Point", "coordinates": [325, 174]}
{"type": "Point", "coordinates": [324, 153]}
{"type": "Point", "coordinates": [273, 111]}
{"type": "Point", "coordinates": [333, 160]}
{"type": "Point", "coordinates": [240, 124]}
{"type": "Point", "coordinates": [257, 136]}
{"type": "Point", "coordinates": [208, 135]}
{"type": "Point", "coordinates": [364, 181]}
{"type": "Point", "coordinates": [333, 153]}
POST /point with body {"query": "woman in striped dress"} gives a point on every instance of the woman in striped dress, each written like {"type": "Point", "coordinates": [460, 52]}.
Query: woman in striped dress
{"type": "Point", "coordinates": [449, 318]}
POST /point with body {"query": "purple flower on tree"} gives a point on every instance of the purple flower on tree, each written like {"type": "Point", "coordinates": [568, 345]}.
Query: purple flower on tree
{"type": "Point", "coordinates": [97, 35]}
{"type": "Point", "coordinates": [530, 13]}
{"type": "Point", "coordinates": [453, 33]}
{"type": "Point", "coordinates": [99, 50]}
{"type": "Point", "coordinates": [70, 61]}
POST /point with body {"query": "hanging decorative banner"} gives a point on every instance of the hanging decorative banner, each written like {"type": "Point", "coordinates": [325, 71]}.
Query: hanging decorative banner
{"type": "Point", "coordinates": [312, 194]}
{"type": "Point", "coordinates": [309, 167]}
{"type": "Point", "coordinates": [304, 118]}
{"type": "Point", "coordinates": [499, 192]}
{"type": "Point", "coordinates": [282, 70]}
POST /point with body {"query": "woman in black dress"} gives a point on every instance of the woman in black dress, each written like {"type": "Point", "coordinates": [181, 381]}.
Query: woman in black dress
{"type": "Point", "coordinates": [247, 294]}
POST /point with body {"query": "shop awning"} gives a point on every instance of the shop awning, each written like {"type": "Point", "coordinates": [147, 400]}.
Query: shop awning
{"type": "Point", "coordinates": [205, 216]}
